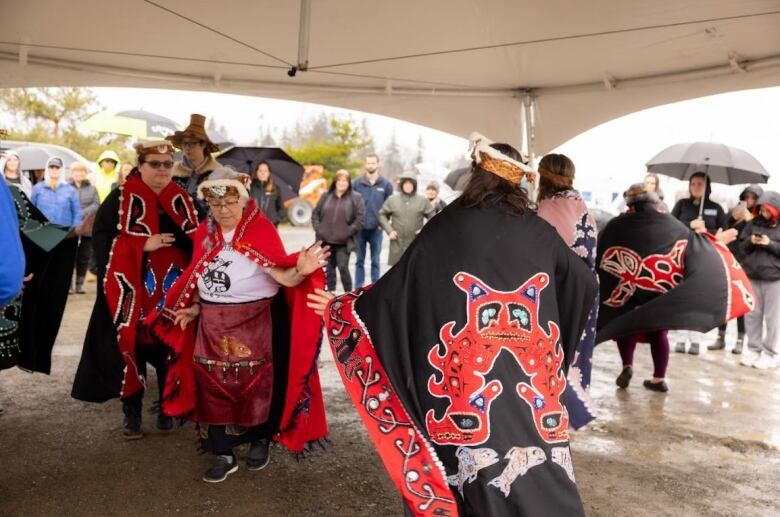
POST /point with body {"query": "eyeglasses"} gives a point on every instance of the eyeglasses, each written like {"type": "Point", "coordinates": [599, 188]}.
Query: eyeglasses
{"type": "Point", "coordinates": [185, 145]}
{"type": "Point", "coordinates": [219, 205]}
{"type": "Point", "coordinates": [157, 164]}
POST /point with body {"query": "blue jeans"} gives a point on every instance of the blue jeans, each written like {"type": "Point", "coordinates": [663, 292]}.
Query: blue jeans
{"type": "Point", "coordinates": [374, 239]}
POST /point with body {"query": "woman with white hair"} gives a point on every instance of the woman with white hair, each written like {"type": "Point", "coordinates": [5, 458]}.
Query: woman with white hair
{"type": "Point", "coordinates": [11, 167]}
{"type": "Point", "coordinates": [244, 343]}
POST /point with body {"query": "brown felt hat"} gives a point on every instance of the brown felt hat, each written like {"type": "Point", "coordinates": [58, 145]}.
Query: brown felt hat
{"type": "Point", "coordinates": [196, 130]}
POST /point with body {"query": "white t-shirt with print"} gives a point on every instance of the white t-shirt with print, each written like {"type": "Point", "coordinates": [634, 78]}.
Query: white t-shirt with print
{"type": "Point", "coordinates": [233, 278]}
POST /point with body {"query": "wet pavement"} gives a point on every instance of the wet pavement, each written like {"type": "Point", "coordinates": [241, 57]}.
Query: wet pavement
{"type": "Point", "coordinates": [708, 447]}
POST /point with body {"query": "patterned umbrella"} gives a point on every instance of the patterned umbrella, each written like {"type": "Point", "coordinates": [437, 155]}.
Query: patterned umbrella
{"type": "Point", "coordinates": [139, 124]}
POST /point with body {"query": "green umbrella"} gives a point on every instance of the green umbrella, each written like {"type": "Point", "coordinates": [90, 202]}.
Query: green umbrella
{"type": "Point", "coordinates": [139, 124]}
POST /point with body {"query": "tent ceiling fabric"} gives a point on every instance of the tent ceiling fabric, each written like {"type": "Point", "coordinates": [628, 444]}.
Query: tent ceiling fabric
{"type": "Point", "coordinates": [453, 65]}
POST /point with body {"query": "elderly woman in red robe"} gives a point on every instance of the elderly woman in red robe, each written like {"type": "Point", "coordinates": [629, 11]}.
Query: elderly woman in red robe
{"type": "Point", "coordinates": [244, 343]}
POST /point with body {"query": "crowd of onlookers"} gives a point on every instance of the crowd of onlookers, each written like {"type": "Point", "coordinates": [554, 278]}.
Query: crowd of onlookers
{"type": "Point", "coordinates": [756, 246]}
{"type": "Point", "coordinates": [355, 215]}
{"type": "Point", "coordinates": [351, 217]}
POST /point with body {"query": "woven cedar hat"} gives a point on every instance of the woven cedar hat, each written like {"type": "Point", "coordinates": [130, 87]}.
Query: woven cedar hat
{"type": "Point", "coordinates": [224, 181]}
{"type": "Point", "coordinates": [153, 147]}
{"type": "Point", "coordinates": [196, 130]}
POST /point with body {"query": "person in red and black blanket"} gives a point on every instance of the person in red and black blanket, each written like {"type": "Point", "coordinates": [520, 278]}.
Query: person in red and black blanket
{"type": "Point", "coordinates": [244, 344]}
{"type": "Point", "coordinates": [456, 358]}
{"type": "Point", "coordinates": [142, 240]}
{"type": "Point", "coordinates": [656, 274]}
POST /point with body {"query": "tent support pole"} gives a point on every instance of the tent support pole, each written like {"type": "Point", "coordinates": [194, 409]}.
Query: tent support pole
{"type": "Point", "coordinates": [528, 125]}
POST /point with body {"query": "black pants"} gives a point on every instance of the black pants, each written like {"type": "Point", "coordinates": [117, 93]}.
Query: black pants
{"type": "Point", "coordinates": [339, 258]}
{"type": "Point", "coordinates": [740, 327]}
{"type": "Point", "coordinates": [156, 355]}
{"type": "Point", "coordinates": [83, 257]}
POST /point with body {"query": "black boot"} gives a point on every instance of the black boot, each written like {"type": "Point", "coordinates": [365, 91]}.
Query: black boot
{"type": "Point", "coordinates": [719, 343]}
{"type": "Point", "coordinates": [259, 455]}
{"type": "Point", "coordinates": [131, 430]}
{"type": "Point", "coordinates": [625, 377]}
{"type": "Point", "coordinates": [164, 422]}
{"type": "Point", "coordinates": [694, 350]}
{"type": "Point", "coordinates": [739, 344]}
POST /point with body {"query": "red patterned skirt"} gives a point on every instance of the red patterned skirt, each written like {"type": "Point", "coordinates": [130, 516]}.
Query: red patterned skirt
{"type": "Point", "coordinates": [234, 364]}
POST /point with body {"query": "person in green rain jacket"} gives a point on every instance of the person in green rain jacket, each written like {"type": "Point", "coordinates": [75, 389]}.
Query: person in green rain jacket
{"type": "Point", "coordinates": [403, 214]}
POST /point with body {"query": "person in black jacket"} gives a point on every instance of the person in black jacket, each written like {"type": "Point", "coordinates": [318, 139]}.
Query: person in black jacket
{"type": "Point", "coordinates": [740, 215]}
{"type": "Point", "coordinates": [265, 193]}
{"type": "Point", "coordinates": [760, 249]}
{"type": "Point", "coordinates": [701, 214]}
{"type": "Point", "coordinates": [337, 219]}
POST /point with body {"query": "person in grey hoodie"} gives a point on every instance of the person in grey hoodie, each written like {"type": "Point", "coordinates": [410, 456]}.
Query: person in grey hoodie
{"type": "Point", "coordinates": [89, 202]}
{"type": "Point", "coordinates": [760, 246]}
{"type": "Point", "coordinates": [337, 219]}
{"type": "Point", "coordinates": [403, 214]}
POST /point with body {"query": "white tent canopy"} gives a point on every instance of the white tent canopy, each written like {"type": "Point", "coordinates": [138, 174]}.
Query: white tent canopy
{"type": "Point", "coordinates": [453, 65]}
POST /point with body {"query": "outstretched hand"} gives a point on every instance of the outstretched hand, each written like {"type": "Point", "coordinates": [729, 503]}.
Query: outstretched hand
{"type": "Point", "coordinates": [312, 258]}
{"type": "Point", "coordinates": [726, 236]}
{"type": "Point", "coordinates": [318, 300]}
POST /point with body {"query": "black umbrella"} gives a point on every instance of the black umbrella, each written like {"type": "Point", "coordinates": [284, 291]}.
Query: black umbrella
{"type": "Point", "coordinates": [286, 172]}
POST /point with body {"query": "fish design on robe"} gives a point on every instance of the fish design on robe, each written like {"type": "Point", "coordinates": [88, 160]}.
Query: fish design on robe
{"type": "Point", "coordinates": [470, 462]}
{"type": "Point", "coordinates": [521, 460]}
{"type": "Point", "coordinates": [562, 456]}
{"type": "Point", "coordinates": [231, 347]}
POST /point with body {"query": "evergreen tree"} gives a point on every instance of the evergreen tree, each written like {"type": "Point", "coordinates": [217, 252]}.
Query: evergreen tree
{"type": "Point", "coordinates": [420, 150]}
{"type": "Point", "coordinates": [391, 161]}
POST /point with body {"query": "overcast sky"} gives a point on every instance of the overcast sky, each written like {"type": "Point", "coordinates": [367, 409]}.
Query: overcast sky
{"type": "Point", "coordinates": [608, 157]}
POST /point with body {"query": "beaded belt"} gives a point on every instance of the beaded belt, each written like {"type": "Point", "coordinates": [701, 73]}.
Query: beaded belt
{"type": "Point", "coordinates": [214, 363]}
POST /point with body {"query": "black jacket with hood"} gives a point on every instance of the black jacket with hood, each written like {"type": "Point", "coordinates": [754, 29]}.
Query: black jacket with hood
{"type": "Point", "coordinates": [686, 210]}
{"type": "Point", "coordinates": [735, 246]}
{"type": "Point", "coordinates": [762, 262]}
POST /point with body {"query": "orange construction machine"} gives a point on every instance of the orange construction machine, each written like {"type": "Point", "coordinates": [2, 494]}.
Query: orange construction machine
{"type": "Point", "coordinates": [313, 185]}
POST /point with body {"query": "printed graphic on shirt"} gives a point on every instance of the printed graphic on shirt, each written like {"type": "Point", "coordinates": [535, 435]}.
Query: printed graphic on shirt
{"type": "Point", "coordinates": [216, 278]}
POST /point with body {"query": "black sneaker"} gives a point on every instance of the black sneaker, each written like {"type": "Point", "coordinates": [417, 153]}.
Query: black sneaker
{"type": "Point", "coordinates": [625, 377]}
{"type": "Point", "coordinates": [660, 387]}
{"type": "Point", "coordinates": [259, 454]}
{"type": "Point", "coordinates": [222, 468]}
{"type": "Point", "coordinates": [738, 345]}
{"type": "Point", "coordinates": [680, 347]}
{"type": "Point", "coordinates": [694, 350]}
{"type": "Point", "coordinates": [131, 428]}
{"type": "Point", "coordinates": [719, 343]}
{"type": "Point", "coordinates": [164, 422]}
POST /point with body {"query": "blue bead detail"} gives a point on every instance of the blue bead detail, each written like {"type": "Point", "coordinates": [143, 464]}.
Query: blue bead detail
{"type": "Point", "coordinates": [150, 282]}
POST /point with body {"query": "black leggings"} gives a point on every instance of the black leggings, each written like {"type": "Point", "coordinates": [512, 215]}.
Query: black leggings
{"type": "Point", "coordinates": [740, 327]}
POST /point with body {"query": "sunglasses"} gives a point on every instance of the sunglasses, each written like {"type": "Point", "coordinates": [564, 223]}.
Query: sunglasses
{"type": "Point", "coordinates": [157, 164]}
{"type": "Point", "coordinates": [185, 145]}
{"type": "Point", "coordinates": [54, 167]}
